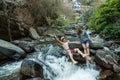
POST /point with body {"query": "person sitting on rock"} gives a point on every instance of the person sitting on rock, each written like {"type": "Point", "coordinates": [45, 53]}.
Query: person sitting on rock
{"type": "Point", "coordinates": [85, 41]}
{"type": "Point", "coordinates": [64, 43]}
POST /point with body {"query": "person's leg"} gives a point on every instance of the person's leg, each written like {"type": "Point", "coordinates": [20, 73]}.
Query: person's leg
{"type": "Point", "coordinates": [79, 52]}
{"type": "Point", "coordinates": [84, 47]}
{"type": "Point", "coordinates": [89, 59]}
{"type": "Point", "coordinates": [71, 57]}
{"type": "Point", "coordinates": [87, 49]}
{"type": "Point", "coordinates": [88, 53]}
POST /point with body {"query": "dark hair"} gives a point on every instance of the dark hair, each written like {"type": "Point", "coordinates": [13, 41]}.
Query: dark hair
{"type": "Point", "coordinates": [79, 30]}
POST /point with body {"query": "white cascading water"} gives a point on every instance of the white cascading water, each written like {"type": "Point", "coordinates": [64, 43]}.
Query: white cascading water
{"type": "Point", "coordinates": [10, 68]}
{"type": "Point", "coordinates": [68, 71]}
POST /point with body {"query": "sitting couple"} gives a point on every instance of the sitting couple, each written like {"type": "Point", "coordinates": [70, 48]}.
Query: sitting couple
{"type": "Point", "coordinates": [84, 40]}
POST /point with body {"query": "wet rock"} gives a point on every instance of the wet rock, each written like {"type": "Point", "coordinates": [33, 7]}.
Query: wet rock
{"type": "Point", "coordinates": [49, 39]}
{"type": "Point", "coordinates": [15, 78]}
{"type": "Point", "coordinates": [93, 46]}
{"type": "Point", "coordinates": [105, 74]}
{"type": "Point", "coordinates": [3, 56]}
{"type": "Point", "coordinates": [96, 46]}
{"type": "Point", "coordinates": [106, 60]}
{"type": "Point", "coordinates": [111, 53]}
{"type": "Point", "coordinates": [114, 46]}
{"type": "Point", "coordinates": [10, 50]}
{"type": "Point", "coordinates": [35, 79]}
{"type": "Point", "coordinates": [27, 46]}
{"type": "Point", "coordinates": [33, 33]}
{"type": "Point", "coordinates": [31, 69]}
{"type": "Point", "coordinates": [70, 32]}
{"type": "Point", "coordinates": [41, 30]}
{"type": "Point", "coordinates": [72, 46]}
{"type": "Point", "coordinates": [118, 51]}
{"type": "Point", "coordinates": [92, 52]}
{"type": "Point", "coordinates": [49, 50]}
{"type": "Point", "coordinates": [50, 32]}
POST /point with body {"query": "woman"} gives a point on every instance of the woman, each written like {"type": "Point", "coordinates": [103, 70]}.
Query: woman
{"type": "Point", "coordinates": [84, 39]}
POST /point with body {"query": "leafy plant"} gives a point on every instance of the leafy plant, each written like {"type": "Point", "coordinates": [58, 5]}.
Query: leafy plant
{"type": "Point", "coordinates": [107, 19]}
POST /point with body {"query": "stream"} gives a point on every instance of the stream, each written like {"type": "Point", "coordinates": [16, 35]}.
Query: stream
{"type": "Point", "coordinates": [63, 69]}
{"type": "Point", "coordinates": [68, 71]}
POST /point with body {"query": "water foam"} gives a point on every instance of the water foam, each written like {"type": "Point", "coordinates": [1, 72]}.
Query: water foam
{"type": "Point", "coordinates": [68, 71]}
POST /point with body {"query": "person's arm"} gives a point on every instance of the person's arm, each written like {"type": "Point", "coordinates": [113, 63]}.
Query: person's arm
{"type": "Point", "coordinates": [58, 39]}
{"type": "Point", "coordinates": [74, 42]}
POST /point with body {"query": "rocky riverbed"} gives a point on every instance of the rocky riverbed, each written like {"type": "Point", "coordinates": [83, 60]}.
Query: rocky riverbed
{"type": "Point", "coordinates": [39, 57]}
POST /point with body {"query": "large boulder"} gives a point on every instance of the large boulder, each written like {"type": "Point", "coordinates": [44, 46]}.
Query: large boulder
{"type": "Point", "coordinates": [104, 59]}
{"type": "Point", "coordinates": [31, 69]}
{"type": "Point", "coordinates": [96, 46]}
{"type": "Point", "coordinates": [10, 50]}
{"type": "Point", "coordinates": [33, 33]}
{"type": "Point", "coordinates": [27, 46]}
{"type": "Point", "coordinates": [18, 22]}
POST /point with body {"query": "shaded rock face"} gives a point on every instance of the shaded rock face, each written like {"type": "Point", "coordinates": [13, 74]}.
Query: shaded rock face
{"type": "Point", "coordinates": [8, 50]}
{"type": "Point", "coordinates": [15, 19]}
{"type": "Point", "coordinates": [4, 31]}
{"type": "Point", "coordinates": [31, 69]}
{"type": "Point", "coordinates": [22, 14]}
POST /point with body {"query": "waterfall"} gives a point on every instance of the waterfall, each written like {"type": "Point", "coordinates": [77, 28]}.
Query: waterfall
{"type": "Point", "coordinates": [8, 69]}
{"type": "Point", "coordinates": [65, 70]}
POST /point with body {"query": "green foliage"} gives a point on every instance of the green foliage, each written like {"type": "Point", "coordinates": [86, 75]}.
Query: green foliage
{"type": "Point", "coordinates": [112, 31]}
{"type": "Point", "coordinates": [87, 15]}
{"type": "Point", "coordinates": [59, 22]}
{"type": "Point", "coordinates": [66, 25]}
{"type": "Point", "coordinates": [108, 13]}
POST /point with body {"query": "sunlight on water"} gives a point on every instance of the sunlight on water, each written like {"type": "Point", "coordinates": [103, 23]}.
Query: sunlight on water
{"type": "Point", "coordinates": [68, 71]}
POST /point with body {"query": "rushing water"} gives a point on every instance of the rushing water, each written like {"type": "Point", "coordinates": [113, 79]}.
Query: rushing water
{"type": "Point", "coordinates": [9, 69]}
{"type": "Point", "coordinates": [63, 69]}
{"type": "Point", "coordinates": [68, 71]}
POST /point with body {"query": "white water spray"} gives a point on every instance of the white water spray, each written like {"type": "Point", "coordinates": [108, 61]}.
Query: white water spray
{"type": "Point", "coordinates": [68, 71]}
{"type": "Point", "coordinates": [10, 68]}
